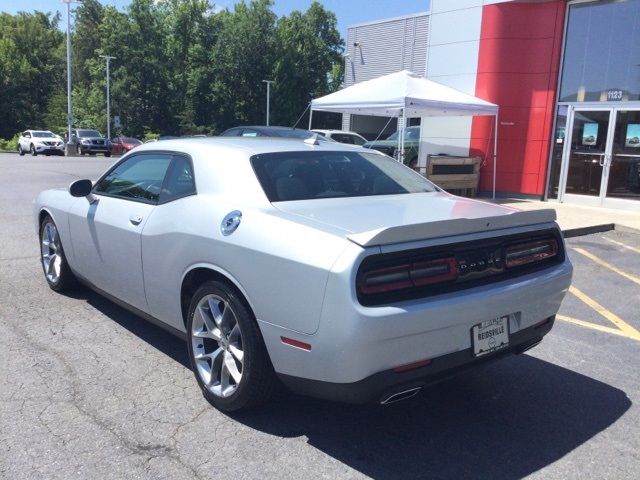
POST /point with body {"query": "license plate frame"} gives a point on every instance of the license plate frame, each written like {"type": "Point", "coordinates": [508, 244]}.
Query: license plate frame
{"type": "Point", "coordinates": [493, 341]}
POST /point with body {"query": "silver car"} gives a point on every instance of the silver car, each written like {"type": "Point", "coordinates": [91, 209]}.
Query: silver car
{"type": "Point", "coordinates": [329, 268]}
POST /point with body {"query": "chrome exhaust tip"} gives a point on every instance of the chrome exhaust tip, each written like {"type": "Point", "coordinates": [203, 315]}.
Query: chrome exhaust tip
{"type": "Point", "coordinates": [399, 396]}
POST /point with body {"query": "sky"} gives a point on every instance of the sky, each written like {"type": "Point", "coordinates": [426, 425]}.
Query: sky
{"type": "Point", "coordinates": [348, 12]}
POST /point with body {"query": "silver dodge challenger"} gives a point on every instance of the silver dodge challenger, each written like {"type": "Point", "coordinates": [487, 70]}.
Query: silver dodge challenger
{"type": "Point", "coordinates": [331, 269]}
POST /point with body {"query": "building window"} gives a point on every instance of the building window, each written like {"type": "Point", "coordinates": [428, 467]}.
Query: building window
{"type": "Point", "coordinates": [602, 52]}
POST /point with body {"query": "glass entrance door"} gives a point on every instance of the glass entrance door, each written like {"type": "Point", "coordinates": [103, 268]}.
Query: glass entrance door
{"type": "Point", "coordinates": [624, 165]}
{"type": "Point", "coordinates": [601, 159]}
{"type": "Point", "coordinates": [587, 150]}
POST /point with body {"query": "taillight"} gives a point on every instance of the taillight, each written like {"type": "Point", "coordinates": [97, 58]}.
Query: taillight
{"type": "Point", "coordinates": [530, 252]}
{"type": "Point", "coordinates": [417, 274]}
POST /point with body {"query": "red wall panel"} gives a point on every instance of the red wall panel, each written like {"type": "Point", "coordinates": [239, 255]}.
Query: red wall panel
{"type": "Point", "coordinates": [518, 64]}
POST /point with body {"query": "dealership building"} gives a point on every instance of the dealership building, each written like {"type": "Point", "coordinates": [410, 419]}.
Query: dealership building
{"type": "Point", "coordinates": [565, 75]}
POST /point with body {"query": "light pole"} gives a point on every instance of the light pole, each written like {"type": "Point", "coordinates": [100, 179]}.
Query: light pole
{"type": "Point", "coordinates": [268, 82]}
{"type": "Point", "coordinates": [69, 109]}
{"type": "Point", "coordinates": [108, 59]}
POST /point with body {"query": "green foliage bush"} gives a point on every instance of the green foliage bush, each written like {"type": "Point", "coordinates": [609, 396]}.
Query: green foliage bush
{"type": "Point", "coordinates": [10, 145]}
{"type": "Point", "coordinates": [150, 136]}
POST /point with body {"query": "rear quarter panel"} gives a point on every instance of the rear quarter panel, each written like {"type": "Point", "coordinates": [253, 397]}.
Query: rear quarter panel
{"type": "Point", "coordinates": [280, 265]}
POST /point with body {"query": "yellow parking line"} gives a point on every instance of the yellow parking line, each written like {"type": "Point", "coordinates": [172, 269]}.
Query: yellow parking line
{"type": "Point", "coordinates": [609, 315]}
{"type": "Point", "coordinates": [620, 244]}
{"type": "Point", "coordinates": [595, 326]}
{"type": "Point", "coordinates": [599, 261]}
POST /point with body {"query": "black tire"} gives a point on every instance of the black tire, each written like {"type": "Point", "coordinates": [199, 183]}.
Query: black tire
{"type": "Point", "coordinates": [107, 154]}
{"type": "Point", "coordinates": [258, 377]}
{"type": "Point", "coordinates": [20, 151]}
{"type": "Point", "coordinates": [66, 280]}
{"type": "Point", "coordinates": [32, 149]}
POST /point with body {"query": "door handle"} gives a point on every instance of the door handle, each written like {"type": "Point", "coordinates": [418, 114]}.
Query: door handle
{"type": "Point", "coordinates": [603, 159]}
{"type": "Point", "coordinates": [135, 219]}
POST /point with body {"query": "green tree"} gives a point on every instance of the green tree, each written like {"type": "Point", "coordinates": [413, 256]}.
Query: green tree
{"type": "Point", "coordinates": [182, 67]}
{"type": "Point", "coordinates": [30, 59]}
{"type": "Point", "coordinates": [242, 58]}
{"type": "Point", "coordinates": [308, 61]}
{"type": "Point", "coordinates": [89, 16]}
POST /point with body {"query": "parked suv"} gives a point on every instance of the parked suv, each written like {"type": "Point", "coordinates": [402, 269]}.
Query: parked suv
{"type": "Point", "coordinates": [390, 145]}
{"type": "Point", "coordinates": [40, 141]}
{"type": "Point", "coordinates": [90, 141]}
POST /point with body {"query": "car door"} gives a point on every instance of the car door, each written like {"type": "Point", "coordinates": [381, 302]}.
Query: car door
{"type": "Point", "coordinates": [167, 241]}
{"type": "Point", "coordinates": [106, 232]}
{"type": "Point", "coordinates": [116, 145]}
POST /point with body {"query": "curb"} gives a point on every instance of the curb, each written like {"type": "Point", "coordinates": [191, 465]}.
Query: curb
{"type": "Point", "coordinates": [580, 231]}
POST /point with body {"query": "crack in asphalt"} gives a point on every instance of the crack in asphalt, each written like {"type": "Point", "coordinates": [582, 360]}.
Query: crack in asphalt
{"type": "Point", "coordinates": [80, 403]}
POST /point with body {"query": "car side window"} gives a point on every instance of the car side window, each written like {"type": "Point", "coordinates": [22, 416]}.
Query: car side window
{"type": "Point", "coordinates": [234, 132]}
{"type": "Point", "coordinates": [27, 135]}
{"type": "Point", "coordinates": [179, 181]}
{"type": "Point", "coordinates": [138, 178]}
{"type": "Point", "coordinates": [357, 140]}
{"type": "Point", "coordinates": [342, 138]}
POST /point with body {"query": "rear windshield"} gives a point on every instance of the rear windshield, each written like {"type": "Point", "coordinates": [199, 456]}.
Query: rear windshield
{"type": "Point", "coordinates": [308, 175]}
{"type": "Point", "coordinates": [297, 133]}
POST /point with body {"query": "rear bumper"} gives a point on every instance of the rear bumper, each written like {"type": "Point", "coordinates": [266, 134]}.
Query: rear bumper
{"type": "Point", "coordinates": [381, 385]}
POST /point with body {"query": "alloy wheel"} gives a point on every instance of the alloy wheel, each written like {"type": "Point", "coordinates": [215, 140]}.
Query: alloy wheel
{"type": "Point", "coordinates": [51, 252]}
{"type": "Point", "coordinates": [217, 345]}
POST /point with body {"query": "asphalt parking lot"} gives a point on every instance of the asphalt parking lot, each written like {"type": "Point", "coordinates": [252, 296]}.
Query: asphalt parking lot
{"type": "Point", "coordinates": [88, 390]}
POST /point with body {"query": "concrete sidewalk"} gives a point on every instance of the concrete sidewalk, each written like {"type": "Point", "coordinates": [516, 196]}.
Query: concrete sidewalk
{"type": "Point", "coordinates": [575, 218]}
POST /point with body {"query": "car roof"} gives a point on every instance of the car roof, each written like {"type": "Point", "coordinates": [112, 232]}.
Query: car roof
{"type": "Point", "coordinates": [269, 127]}
{"type": "Point", "coordinates": [336, 131]}
{"type": "Point", "coordinates": [248, 145]}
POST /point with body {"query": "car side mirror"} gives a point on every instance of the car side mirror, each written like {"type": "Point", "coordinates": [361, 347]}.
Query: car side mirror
{"type": "Point", "coordinates": [80, 188]}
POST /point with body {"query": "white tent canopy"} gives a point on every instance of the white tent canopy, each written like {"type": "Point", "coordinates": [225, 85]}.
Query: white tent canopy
{"type": "Point", "coordinates": [403, 93]}
{"type": "Point", "coordinates": [406, 95]}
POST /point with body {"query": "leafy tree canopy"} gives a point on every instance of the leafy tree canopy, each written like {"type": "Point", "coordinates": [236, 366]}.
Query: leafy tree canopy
{"type": "Point", "coordinates": [181, 66]}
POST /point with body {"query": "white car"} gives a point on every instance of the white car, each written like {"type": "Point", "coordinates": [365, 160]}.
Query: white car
{"type": "Point", "coordinates": [333, 268]}
{"type": "Point", "coordinates": [342, 136]}
{"type": "Point", "coordinates": [40, 141]}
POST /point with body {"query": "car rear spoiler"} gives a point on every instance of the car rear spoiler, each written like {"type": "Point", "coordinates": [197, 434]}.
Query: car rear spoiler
{"type": "Point", "coordinates": [446, 228]}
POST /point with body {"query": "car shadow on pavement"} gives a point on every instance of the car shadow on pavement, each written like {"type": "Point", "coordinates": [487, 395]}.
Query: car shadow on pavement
{"type": "Point", "coordinates": [155, 336]}
{"type": "Point", "coordinates": [502, 421]}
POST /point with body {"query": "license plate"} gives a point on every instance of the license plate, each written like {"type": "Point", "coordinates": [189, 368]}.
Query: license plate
{"type": "Point", "coordinates": [490, 336]}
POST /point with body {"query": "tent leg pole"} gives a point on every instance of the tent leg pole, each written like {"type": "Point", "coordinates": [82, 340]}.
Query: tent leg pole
{"type": "Point", "coordinates": [401, 138]}
{"type": "Point", "coordinates": [495, 154]}
{"type": "Point", "coordinates": [310, 117]}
